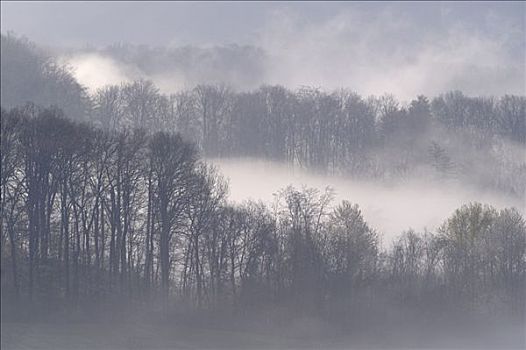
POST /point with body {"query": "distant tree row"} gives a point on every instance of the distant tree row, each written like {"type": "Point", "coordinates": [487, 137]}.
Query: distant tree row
{"type": "Point", "coordinates": [309, 121]}
{"type": "Point", "coordinates": [479, 140]}
{"type": "Point", "coordinates": [92, 215]}
{"type": "Point", "coordinates": [29, 74]}
{"type": "Point", "coordinates": [337, 132]}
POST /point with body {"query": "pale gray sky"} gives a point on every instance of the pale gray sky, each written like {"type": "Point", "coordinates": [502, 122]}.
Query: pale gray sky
{"type": "Point", "coordinates": [160, 23]}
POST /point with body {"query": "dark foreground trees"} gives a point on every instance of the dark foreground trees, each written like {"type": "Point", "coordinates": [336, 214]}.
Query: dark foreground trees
{"type": "Point", "coordinates": [90, 216]}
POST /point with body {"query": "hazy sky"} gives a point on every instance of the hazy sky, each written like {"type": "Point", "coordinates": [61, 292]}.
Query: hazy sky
{"type": "Point", "coordinates": [161, 23]}
{"type": "Point", "coordinates": [405, 48]}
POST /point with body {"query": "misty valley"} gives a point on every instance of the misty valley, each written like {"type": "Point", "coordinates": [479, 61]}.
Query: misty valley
{"type": "Point", "coordinates": [221, 216]}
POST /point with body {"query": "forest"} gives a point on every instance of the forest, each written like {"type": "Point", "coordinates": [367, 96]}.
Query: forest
{"type": "Point", "coordinates": [109, 202]}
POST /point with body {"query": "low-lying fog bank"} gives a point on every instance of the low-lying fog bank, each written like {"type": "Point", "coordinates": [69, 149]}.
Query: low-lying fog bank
{"type": "Point", "coordinates": [390, 208]}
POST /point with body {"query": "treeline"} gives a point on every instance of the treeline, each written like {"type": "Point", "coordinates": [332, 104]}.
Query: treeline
{"type": "Point", "coordinates": [239, 65]}
{"type": "Point", "coordinates": [339, 132]}
{"type": "Point", "coordinates": [307, 126]}
{"type": "Point", "coordinates": [91, 215]}
{"type": "Point", "coordinates": [30, 74]}
{"type": "Point", "coordinates": [475, 140]}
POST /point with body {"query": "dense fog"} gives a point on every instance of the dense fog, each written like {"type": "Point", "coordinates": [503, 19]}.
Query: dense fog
{"type": "Point", "coordinates": [312, 176]}
{"type": "Point", "coordinates": [425, 202]}
{"type": "Point", "coordinates": [402, 49]}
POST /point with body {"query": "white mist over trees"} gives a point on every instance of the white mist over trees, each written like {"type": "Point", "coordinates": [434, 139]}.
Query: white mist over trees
{"type": "Point", "coordinates": [110, 203]}
{"type": "Point", "coordinates": [401, 48]}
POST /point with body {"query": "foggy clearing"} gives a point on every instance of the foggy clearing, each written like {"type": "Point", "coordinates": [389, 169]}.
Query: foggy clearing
{"type": "Point", "coordinates": [392, 208]}
{"type": "Point", "coordinates": [263, 175]}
